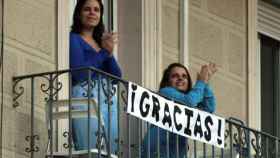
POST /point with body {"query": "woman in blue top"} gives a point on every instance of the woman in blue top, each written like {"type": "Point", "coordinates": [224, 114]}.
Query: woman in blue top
{"type": "Point", "coordinates": [176, 84]}
{"type": "Point", "coordinates": [90, 47]}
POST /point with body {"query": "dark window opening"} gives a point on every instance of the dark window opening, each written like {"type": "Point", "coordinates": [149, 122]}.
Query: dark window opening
{"type": "Point", "coordinates": [270, 85]}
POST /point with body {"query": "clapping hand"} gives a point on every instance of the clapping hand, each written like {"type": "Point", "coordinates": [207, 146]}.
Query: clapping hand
{"type": "Point", "coordinates": [212, 69]}
{"type": "Point", "coordinates": [108, 41]}
{"type": "Point", "coordinates": [206, 72]}
{"type": "Point", "coordinates": [203, 75]}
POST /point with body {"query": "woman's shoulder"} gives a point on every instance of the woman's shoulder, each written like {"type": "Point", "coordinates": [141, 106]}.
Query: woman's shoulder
{"type": "Point", "coordinates": [77, 41]}
{"type": "Point", "coordinates": [74, 36]}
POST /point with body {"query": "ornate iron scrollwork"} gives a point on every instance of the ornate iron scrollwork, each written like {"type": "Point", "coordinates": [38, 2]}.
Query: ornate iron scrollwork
{"type": "Point", "coordinates": [53, 87]}
{"type": "Point", "coordinates": [66, 135]}
{"type": "Point", "coordinates": [124, 98]}
{"type": "Point", "coordinates": [33, 147]}
{"type": "Point", "coordinates": [226, 136]}
{"type": "Point", "coordinates": [17, 91]}
{"type": "Point", "coordinates": [109, 90]}
{"type": "Point", "coordinates": [256, 144]}
{"type": "Point", "coordinates": [84, 85]}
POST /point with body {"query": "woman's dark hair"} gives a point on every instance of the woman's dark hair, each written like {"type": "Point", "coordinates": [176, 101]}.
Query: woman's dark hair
{"type": "Point", "coordinates": [166, 75]}
{"type": "Point", "coordinates": [77, 24]}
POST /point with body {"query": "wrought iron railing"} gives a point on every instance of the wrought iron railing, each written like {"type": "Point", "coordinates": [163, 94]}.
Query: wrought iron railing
{"type": "Point", "coordinates": [50, 113]}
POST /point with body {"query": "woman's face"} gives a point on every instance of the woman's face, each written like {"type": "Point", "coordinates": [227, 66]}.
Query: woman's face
{"type": "Point", "coordinates": [90, 14]}
{"type": "Point", "coordinates": [178, 78]}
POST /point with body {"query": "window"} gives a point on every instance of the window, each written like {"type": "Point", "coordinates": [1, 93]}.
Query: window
{"type": "Point", "coordinates": [270, 67]}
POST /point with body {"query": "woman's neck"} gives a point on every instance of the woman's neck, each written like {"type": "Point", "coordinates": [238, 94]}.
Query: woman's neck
{"type": "Point", "coordinates": [87, 33]}
{"type": "Point", "coordinates": [87, 36]}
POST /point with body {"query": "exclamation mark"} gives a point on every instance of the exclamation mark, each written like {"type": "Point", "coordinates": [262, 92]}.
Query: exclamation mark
{"type": "Point", "coordinates": [134, 87]}
{"type": "Point", "coordinates": [219, 132]}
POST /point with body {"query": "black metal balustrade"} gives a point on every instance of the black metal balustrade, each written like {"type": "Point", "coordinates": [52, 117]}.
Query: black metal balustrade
{"type": "Point", "coordinates": [45, 136]}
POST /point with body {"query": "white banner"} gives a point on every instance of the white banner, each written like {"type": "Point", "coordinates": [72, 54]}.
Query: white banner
{"type": "Point", "coordinates": [177, 118]}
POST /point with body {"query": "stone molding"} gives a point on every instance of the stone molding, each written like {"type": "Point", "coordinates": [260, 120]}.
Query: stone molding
{"type": "Point", "coordinates": [151, 43]}
{"type": "Point", "coordinates": [254, 107]}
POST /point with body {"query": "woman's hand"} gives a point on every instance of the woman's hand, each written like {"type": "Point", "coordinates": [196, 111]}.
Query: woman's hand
{"type": "Point", "coordinates": [108, 41]}
{"type": "Point", "coordinates": [203, 75]}
{"type": "Point", "coordinates": [212, 69]}
{"type": "Point", "coordinates": [206, 72]}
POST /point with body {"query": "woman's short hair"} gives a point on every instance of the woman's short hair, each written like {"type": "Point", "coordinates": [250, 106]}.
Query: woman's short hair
{"type": "Point", "coordinates": [77, 24]}
{"type": "Point", "coordinates": [166, 75]}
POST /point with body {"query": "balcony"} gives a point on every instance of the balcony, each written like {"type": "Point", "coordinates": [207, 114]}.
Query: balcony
{"type": "Point", "coordinates": [47, 99]}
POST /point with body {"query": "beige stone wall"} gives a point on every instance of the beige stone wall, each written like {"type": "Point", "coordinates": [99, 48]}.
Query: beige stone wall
{"type": "Point", "coordinates": [30, 47]}
{"type": "Point", "coordinates": [217, 33]}
{"type": "Point", "coordinates": [170, 32]}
